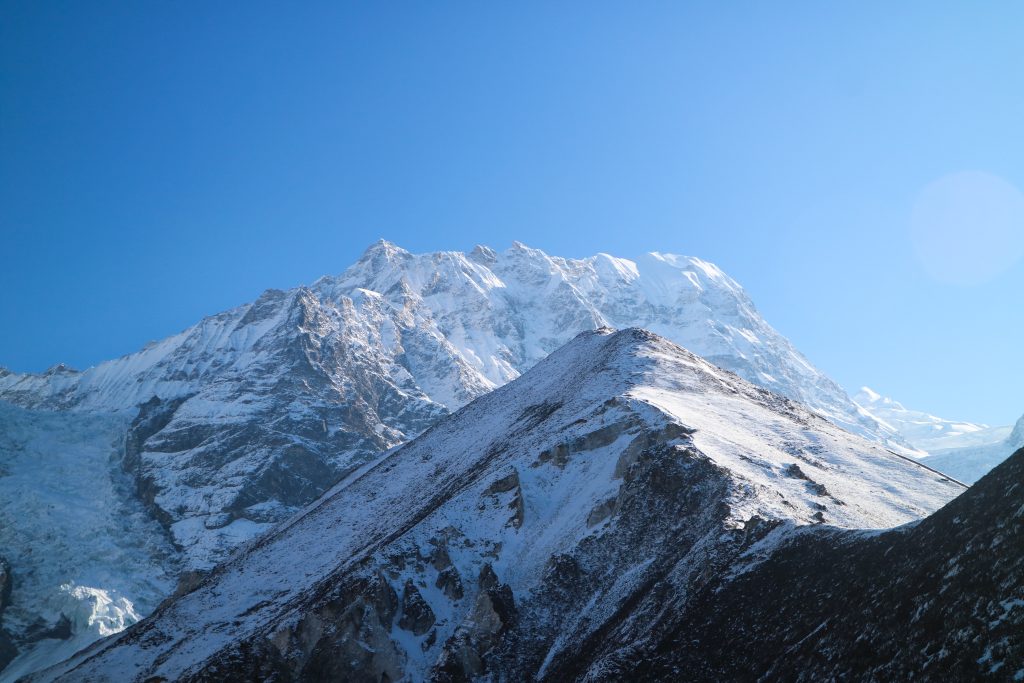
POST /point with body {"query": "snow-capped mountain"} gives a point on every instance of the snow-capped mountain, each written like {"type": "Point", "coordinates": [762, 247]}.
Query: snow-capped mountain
{"type": "Point", "coordinates": [970, 463]}
{"type": "Point", "coordinates": [924, 431]}
{"type": "Point", "coordinates": [235, 423]}
{"type": "Point", "coordinates": [601, 488]}
{"type": "Point", "coordinates": [254, 411]}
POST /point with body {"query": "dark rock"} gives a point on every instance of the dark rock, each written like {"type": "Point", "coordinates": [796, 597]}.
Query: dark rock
{"type": "Point", "coordinates": [505, 484]}
{"type": "Point", "coordinates": [6, 585]}
{"type": "Point", "coordinates": [40, 630]}
{"type": "Point", "coordinates": [450, 583]}
{"type": "Point", "coordinates": [8, 650]}
{"type": "Point", "coordinates": [416, 613]}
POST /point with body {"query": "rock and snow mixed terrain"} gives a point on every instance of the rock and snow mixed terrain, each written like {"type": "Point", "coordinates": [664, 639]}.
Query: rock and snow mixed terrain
{"type": "Point", "coordinates": [252, 410]}
{"type": "Point", "coordinates": [235, 423]}
{"type": "Point", "coordinates": [942, 600]}
{"type": "Point", "coordinates": [598, 494]}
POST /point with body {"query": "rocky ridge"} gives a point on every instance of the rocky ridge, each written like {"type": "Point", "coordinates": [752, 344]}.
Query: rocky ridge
{"type": "Point", "coordinates": [526, 528]}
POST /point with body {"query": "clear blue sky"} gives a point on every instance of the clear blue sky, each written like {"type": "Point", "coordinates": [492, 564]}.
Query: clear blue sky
{"type": "Point", "coordinates": [161, 161]}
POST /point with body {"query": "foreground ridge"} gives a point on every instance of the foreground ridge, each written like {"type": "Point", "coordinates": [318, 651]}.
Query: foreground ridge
{"type": "Point", "coordinates": [536, 533]}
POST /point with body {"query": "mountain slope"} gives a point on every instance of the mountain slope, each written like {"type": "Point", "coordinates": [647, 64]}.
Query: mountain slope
{"type": "Point", "coordinates": [104, 561]}
{"type": "Point", "coordinates": [517, 531]}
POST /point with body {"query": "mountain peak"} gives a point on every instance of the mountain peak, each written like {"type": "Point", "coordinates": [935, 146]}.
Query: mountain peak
{"type": "Point", "coordinates": [869, 395]}
{"type": "Point", "coordinates": [383, 248]}
{"type": "Point", "coordinates": [520, 249]}
{"type": "Point", "coordinates": [60, 369]}
{"type": "Point", "coordinates": [483, 254]}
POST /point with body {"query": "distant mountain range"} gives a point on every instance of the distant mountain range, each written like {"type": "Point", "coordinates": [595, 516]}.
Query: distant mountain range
{"type": "Point", "coordinates": [924, 431]}
{"type": "Point", "coordinates": [971, 463]}
{"type": "Point", "coordinates": [963, 450]}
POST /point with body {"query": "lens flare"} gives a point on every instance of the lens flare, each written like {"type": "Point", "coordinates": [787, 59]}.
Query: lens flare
{"type": "Point", "coordinates": [968, 227]}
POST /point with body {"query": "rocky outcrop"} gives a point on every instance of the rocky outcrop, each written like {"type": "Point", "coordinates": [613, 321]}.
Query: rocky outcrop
{"type": "Point", "coordinates": [417, 616]}
{"type": "Point", "coordinates": [8, 650]}
{"type": "Point", "coordinates": [464, 657]}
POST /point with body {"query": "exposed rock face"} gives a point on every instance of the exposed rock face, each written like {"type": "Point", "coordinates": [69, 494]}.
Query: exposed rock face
{"type": "Point", "coordinates": [418, 568]}
{"type": "Point", "coordinates": [417, 616]}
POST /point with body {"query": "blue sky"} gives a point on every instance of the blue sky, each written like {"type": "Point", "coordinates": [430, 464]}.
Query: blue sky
{"type": "Point", "coordinates": [163, 161]}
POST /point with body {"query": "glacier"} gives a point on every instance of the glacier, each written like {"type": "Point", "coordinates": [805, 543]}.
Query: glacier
{"type": "Point", "coordinates": [87, 557]}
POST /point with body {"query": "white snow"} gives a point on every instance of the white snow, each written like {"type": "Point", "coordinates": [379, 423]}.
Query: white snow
{"type": "Point", "coordinates": [442, 329]}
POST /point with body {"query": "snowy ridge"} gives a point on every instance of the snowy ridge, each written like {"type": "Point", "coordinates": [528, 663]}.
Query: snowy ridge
{"type": "Point", "coordinates": [551, 502]}
{"type": "Point", "coordinates": [308, 384]}
{"type": "Point", "coordinates": [504, 312]}
{"type": "Point", "coordinates": [495, 315]}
